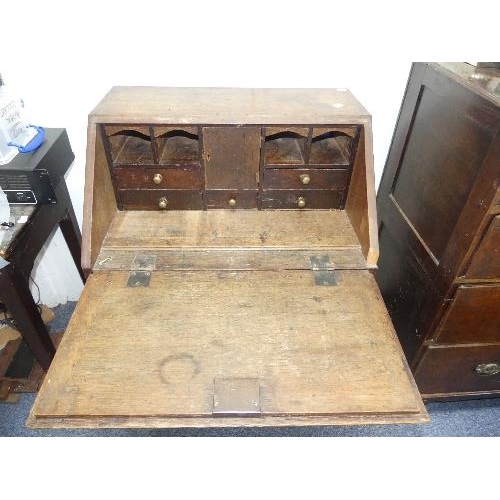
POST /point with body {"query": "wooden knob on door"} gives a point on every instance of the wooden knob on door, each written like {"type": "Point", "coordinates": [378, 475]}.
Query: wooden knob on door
{"type": "Point", "coordinates": [162, 203]}
{"type": "Point", "coordinates": [305, 178]}
{"type": "Point", "coordinates": [157, 178]}
{"type": "Point", "coordinates": [301, 202]}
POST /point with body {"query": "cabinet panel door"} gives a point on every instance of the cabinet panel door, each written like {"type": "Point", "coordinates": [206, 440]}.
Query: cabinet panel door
{"type": "Point", "coordinates": [231, 156]}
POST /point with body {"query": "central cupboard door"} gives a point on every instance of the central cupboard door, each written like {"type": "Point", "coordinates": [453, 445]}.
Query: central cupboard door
{"type": "Point", "coordinates": [231, 156]}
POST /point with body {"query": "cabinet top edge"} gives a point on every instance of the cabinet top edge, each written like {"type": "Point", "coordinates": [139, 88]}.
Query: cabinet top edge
{"type": "Point", "coordinates": [235, 106]}
{"type": "Point", "coordinates": [483, 81]}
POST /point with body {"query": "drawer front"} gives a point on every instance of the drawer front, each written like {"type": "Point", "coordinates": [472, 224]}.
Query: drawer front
{"type": "Point", "coordinates": [154, 199]}
{"type": "Point", "coordinates": [231, 199]}
{"type": "Point", "coordinates": [155, 178]}
{"type": "Point", "coordinates": [302, 200]}
{"type": "Point", "coordinates": [304, 178]}
{"type": "Point", "coordinates": [486, 260]}
{"type": "Point", "coordinates": [459, 369]}
{"type": "Point", "coordinates": [473, 316]}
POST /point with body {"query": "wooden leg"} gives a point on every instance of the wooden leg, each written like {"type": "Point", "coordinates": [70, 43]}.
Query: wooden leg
{"type": "Point", "coordinates": [69, 226]}
{"type": "Point", "coordinates": [22, 307]}
{"type": "Point", "coordinates": [71, 231]}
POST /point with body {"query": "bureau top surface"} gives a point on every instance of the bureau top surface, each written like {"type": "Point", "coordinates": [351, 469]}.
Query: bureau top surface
{"type": "Point", "coordinates": [229, 106]}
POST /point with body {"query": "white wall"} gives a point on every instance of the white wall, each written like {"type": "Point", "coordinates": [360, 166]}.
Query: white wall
{"type": "Point", "coordinates": [62, 57]}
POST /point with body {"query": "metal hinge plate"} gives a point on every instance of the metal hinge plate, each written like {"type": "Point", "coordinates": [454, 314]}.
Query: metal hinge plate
{"type": "Point", "coordinates": [139, 278]}
{"type": "Point", "coordinates": [323, 271]}
{"type": "Point", "coordinates": [236, 397]}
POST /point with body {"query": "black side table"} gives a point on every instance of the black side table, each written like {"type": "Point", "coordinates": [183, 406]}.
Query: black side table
{"type": "Point", "coordinates": [26, 243]}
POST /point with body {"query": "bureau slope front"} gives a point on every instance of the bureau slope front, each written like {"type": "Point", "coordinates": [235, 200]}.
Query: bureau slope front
{"type": "Point", "coordinates": [294, 352]}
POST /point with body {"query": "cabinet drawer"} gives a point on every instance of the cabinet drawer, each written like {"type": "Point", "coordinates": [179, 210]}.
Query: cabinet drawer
{"type": "Point", "coordinates": [304, 178]}
{"type": "Point", "coordinates": [149, 199]}
{"type": "Point", "coordinates": [486, 260]}
{"type": "Point", "coordinates": [460, 369]}
{"type": "Point", "coordinates": [294, 199]}
{"type": "Point", "coordinates": [231, 199]}
{"type": "Point", "coordinates": [473, 316]}
{"type": "Point", "coordinates": [154, 178]}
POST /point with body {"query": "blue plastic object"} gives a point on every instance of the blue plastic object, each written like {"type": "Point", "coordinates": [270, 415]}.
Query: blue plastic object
{"type": "Point", "coordinates": [34, 144]}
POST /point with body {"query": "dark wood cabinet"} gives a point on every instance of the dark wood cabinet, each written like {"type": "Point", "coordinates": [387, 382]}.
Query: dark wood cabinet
{"type": "Point", "coordinates": [439, 229]}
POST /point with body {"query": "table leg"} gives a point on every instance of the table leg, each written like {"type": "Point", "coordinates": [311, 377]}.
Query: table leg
{"type": "Point", "coordinates": [23, 309]}
{"type": "Point", "coordinates": [71, 231]}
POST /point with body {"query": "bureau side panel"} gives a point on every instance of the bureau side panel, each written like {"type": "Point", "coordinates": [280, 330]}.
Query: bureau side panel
{"type": "Point", "coordinates": [99, 207]}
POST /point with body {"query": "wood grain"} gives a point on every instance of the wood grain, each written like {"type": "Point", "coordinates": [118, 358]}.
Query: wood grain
{"type": "Point", "coordinates": [172, 178]}
{"type": "Point", "coordinates": [148, 199]}
{"type": "Point", "coordinates": [218, 199]}
{"type": "Point", "coordinates": [229, 106]}
{"type": "Point", "coordinates": [360, 204]}
{"type": "Point", "coordinates": [231, 156]}
{"type": "Point", "coordinates": [472, 317]}
{"type": "Point", "coordinates": [292, 229]}
{"type": "Point", "coordinates": [486, 260]}
{"type": "Point", "coordinates": [317, 351]}
{"type": "Point", "coordinates": [290, 178]}
{"type": "Point", "coordinates": [243, 259]}
{"type": "Point", "coordinates": [451, 369]}
{"type": "Point", "coordinates": [99, 206]}
{"type": "Point", "coordinates": [314, 199]}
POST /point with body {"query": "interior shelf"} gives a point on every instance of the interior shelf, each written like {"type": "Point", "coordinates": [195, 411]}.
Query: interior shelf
{"type": "Point", "coordinates": [130, 147]}
{"type": "Point", "coordinates": [331, 148]}
{"type": "Point", "coordinates": [178, 147]}
{"type": "Point", "coordinates": [285, 148]}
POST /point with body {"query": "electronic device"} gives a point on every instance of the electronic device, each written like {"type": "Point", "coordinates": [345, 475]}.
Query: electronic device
{"type": "Point", "coordinates": [31, 178]}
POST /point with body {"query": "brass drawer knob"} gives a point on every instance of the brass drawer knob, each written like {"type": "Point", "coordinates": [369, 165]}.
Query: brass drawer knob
{"type": "Point", "coordinates": [305, 178]}
{"type": "Point", "coordinates": [487, 369]}
{"type": "Point", "coordinates": [162, 203]}
{"type": "Point", "coordinates": [232, 202]}
{"type": "Point", "coordinates": [301, 202]}
{"type": "Point", "coordinates": [157, 178]}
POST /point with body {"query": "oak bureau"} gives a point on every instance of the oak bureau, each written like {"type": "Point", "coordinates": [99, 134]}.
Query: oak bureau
{"type": "Point", "coordinates": [229, 239]}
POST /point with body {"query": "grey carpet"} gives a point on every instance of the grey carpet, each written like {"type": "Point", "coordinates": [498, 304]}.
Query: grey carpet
{"type": "Point", "coordinates": [461, 418]}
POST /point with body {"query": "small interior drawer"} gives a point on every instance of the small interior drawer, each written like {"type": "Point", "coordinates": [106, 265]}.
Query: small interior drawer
{"type": "Point", "coordinates": [160, 199]}
{"type": "Point", "coordinates": [302, 199]}
{"type": "Point", "coordinates": [153, 178]}
{"type": "Point", "coordinates": [485, 262]}
{"type": "Point", "coordinates": [305, 178]}
{"type": "Point", "coordinates": [473, 316]}
{"type": "Point", "coordinates": [231, 199]}
{"type": "Point", "coordinates": [459, 369]}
